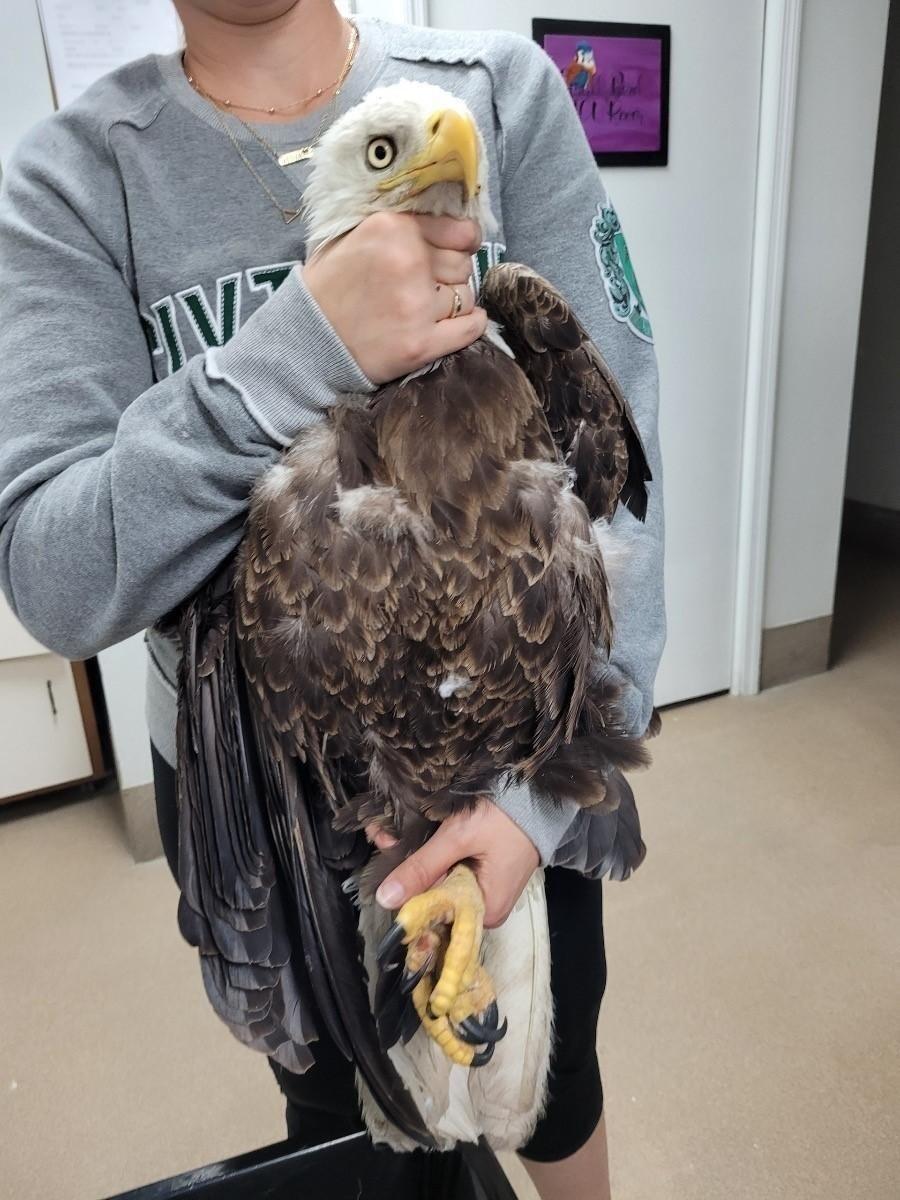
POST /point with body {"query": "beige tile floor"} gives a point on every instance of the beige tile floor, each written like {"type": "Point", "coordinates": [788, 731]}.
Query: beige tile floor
{"type": "Point", "coordinates": [751, 1038]}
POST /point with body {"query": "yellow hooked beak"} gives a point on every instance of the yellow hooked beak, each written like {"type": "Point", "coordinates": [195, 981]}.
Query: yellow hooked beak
{"type": "Point", "coordinates": [451, 156]}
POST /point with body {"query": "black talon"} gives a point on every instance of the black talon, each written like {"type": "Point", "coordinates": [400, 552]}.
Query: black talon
{"type": "Point", "coordinates": [389, 943]}
{"type": "Point", "coordinates": [484, 1056]}
{"type": "Point", "coordinates": [476, 1034]}
{"type": "Point", "coordinates": [409, 980]}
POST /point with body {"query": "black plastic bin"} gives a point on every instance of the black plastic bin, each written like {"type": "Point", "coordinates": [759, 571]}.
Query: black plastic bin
{"type": "Point", "coordinates": [348, 1169]}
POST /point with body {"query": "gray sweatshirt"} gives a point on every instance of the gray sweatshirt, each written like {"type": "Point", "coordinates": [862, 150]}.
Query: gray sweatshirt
{"type": "Point", "coordinates": [158, 352]}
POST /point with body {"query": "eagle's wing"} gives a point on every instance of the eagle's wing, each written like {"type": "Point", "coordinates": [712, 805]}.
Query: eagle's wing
{"type": "Point", "coordinates": [261, 870]}
{"type": "Point", "coordinates": [589, 417]}
{"type": "Point", "coordinates": [231, 905]}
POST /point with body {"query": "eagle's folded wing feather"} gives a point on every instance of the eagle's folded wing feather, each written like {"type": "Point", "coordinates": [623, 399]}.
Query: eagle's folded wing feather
{"type": "Point", "coordinates": [254, 840]}
{"type": "Point", "coordinates": [589, 417]}
{"type": "Point", "coordinates": [231, 905]}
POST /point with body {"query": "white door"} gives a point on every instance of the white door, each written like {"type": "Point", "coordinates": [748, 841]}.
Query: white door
{"type": "Point", "coordinates": [689, 228]}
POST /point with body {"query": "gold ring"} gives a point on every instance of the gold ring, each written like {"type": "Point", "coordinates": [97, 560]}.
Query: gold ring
{"type": "Point", "coordinates": [457, 304]}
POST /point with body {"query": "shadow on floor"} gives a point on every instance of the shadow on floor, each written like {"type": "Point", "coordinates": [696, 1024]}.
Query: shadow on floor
{"type": "Point", "coordinates": [867, 601]}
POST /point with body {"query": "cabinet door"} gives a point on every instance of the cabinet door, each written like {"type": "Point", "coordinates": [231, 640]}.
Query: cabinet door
{"type": "Point", "coordinates": [42, 739]}
{"type": "Point", "coordinates": [15, 641]}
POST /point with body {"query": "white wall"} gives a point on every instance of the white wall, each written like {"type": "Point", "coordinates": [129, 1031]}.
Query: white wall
{"type": "Point", "coordinates": [690, 228]}
{"type": "Point", "coordinates": [840, 80]}
{"type": "Point", "coordinates": [25, 93]}
{"type": "Point", "coordinates": [873, 472]}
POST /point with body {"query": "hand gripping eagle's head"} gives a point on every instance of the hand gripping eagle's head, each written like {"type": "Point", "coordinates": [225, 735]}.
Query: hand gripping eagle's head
{"type": "Point", "coordinates": [409, 147]}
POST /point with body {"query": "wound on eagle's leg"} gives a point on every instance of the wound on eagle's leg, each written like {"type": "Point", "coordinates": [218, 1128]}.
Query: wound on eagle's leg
{"type": "Point", "coordinates": [450, 992]}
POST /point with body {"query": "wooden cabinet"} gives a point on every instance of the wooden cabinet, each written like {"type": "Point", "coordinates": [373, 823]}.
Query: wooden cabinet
{"type": "Point", "coordinates": [48, 734]}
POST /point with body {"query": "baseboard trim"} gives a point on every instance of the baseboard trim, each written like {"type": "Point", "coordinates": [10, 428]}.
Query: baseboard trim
{"type": "Point", "coordinates": [872, 526]}
{"type": "Point", "coordinates": [792, 652]}
{"type": "Point", "coordinates": [138, 808]}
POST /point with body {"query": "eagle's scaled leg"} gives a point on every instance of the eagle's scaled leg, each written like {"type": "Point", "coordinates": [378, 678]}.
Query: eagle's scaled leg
{"type": "Point", "coordinates": [459, 1010]}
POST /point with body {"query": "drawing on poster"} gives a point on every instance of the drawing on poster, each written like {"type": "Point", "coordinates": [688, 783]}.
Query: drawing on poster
{"type": "Point", "coordinates": [618, 78]}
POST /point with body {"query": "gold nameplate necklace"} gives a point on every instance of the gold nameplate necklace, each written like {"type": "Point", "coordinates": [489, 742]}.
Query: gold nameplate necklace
{"type": "Point", "coordinates": [288, 157]}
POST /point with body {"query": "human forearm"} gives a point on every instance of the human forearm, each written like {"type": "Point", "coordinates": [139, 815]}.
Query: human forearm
{"type": "Point", "coordinates": [107, 524]}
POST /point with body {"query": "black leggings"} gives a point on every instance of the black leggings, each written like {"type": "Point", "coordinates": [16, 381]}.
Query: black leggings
{"type": "Point", "coordinates": [322, 1103]}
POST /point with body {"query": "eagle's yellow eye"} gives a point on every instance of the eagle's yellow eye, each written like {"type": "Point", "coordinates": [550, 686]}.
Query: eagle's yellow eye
{"type": "Point", "coordinates": [381, 152]}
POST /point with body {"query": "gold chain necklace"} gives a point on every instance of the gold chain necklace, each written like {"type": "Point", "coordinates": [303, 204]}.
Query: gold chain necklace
{"type": "Point", "coordinates": [269, 109]}
{"type": "Point", "coordinates": [287, 214]}
{"type": "Point", "coordinates": [301, 153]}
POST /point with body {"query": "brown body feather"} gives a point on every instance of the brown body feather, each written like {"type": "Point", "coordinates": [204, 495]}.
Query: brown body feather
{"type": "Point", "coordinates": [420, 592]}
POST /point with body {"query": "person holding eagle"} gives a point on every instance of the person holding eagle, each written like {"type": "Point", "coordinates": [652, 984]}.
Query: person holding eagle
{"type": "Point", "coordinates": [333, 389]}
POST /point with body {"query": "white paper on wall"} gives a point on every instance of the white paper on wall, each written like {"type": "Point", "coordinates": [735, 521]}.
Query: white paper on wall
{"type": "Point", "coordinates": [88, 38]}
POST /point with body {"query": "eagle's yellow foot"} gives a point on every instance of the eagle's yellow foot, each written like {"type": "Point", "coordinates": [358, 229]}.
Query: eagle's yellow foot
{"type": "Point", "coordinates": [471, 1022]}
{"type": "Point", "coordinates": [442, 931]}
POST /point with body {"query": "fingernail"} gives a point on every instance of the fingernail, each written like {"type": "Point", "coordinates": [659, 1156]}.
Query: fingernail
{"type": "Point", "coordinates": [390, 894]}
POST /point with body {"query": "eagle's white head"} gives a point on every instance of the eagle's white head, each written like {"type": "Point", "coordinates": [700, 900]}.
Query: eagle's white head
{"type": "Point", "coordinates": [409, 147]}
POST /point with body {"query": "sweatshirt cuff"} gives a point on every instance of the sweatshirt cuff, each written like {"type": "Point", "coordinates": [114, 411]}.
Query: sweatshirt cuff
{"type": "Point", "coordinates": [287, 363]}
{"type": "Point", "coordinates": [543, 820]}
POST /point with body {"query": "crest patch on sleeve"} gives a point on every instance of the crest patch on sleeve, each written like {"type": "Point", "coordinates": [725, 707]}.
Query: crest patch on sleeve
{"type": "Point", "coordinates": [487, 256]}
{"type": "Point", "coordinates": [611, 250]}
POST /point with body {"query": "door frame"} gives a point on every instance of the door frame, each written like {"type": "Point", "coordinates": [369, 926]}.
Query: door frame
{"type": "Point", "coordinates": [775, 156]}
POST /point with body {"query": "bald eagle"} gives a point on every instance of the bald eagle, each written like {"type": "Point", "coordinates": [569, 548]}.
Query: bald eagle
{"type": "Point", "coordinates": [412, 617]}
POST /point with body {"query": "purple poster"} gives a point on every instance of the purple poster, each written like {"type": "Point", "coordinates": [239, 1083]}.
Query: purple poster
{"type": "Point", "coordinates": [618, 78]}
